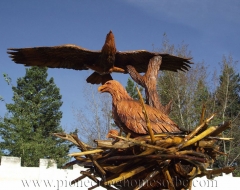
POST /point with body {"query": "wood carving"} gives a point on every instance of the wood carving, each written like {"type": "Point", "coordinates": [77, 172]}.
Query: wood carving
{"type": "Point", "coordinates": [111, 133]}
{"type": "Point", "coordinates": [103, 62]}
{"type": "Point", "coordinates": [149, 82]}
{"type": "Point", "coordinates": [128, 115]}
{"type": "Point", "coordinates": [157, 150]}
{"type": "Point", "coordinates": [173, 156]}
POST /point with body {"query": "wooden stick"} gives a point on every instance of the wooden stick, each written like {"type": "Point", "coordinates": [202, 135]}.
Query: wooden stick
{"type": "Point", "coordinates": [150, 131]}
{"type": "Point", "coordinates": [199, 137]}
{"type": "Point", "coordinates": [142, 143]}
{"type": "Point", "coordinates": [190, 184]}
{"type": "Point", "coordinates": [117, 145]}
{"type": "Point", "coordinates": [202, 114]}
{"type": "Point", "coordinates": [195, 131]}
{"type": "Point", "coordinates": [82, 159]}
{"type": "Point", "coordinates": [103, 173]}
{"type": "Point", "coordinates": [221, 128]}
{"type": "Point", "coordinates": [225, 170]}
{"type": "Point", "coordinates": [126, 175]}
{"type": "Point", "coordinates": [85, 152]}
{"type": "Point", "coordinates": [66, 137]}
{"type": "Point", "coordinates": [78, 179]}
{"type": "Point", "coordinates": [155, 157]}
{"type": "Point", "coordinates": [168, 178]}
{"type": "Point", "coordinates": [121, 167]}
{"type": "Point", "coordinates": [191, 152]}
{"type": "Point", "coordinates": [88, 174]}
{"type": "Point", "coordinates": [147, 179]}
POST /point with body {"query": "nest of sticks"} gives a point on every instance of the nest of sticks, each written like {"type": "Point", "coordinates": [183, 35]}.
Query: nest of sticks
{"type": "Point", "coordinates": [155, 161]}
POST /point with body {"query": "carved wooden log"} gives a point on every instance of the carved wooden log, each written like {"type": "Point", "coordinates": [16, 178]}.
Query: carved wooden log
{"type": "Point", "coordinates": [149, 82]}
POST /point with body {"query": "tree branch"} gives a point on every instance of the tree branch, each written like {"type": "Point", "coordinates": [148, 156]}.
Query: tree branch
{"type": "Point", "coordinates": [149, 82]}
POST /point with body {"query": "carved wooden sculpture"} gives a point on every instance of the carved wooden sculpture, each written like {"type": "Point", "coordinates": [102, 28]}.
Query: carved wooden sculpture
{"type": "Point", "coordinates": [147, 159]}
{"type": "Point", "coordinates": [103, 62]}
{"type": "Point", "coordinates": [128, 115]}
{"type": "Point", "coordinates": [149, 82]}
{"type": "Point", "coordinates": [111, 133]}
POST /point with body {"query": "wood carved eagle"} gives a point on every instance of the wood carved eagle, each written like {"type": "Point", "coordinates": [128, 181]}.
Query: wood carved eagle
{"type": "Point", "coordinates": [128, 115]}
{"type": "Point", "coordinates": [103, 62]}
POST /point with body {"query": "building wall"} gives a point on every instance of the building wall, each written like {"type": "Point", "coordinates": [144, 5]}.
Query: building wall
{"type": "Point", "coordinates": [47, 176]}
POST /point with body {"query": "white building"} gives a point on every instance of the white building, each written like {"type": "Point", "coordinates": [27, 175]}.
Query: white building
{"type": "Point", "coordinates": [47, 176]}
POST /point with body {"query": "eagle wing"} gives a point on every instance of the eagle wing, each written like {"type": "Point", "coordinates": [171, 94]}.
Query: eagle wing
{"type": "Point", "coordinates": [65, 56]}
{"type": "Point", "coordinates": [129, 113]}
{"type": "Point", "coordinates": [140, 59]}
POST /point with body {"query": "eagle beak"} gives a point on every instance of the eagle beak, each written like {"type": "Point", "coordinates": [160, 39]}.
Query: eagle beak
{"type": "Point", "coordinates": [101, 88]}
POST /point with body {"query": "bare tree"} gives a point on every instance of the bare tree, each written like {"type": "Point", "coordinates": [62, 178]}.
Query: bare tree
{"type": "Point", "coordinates": [94, 120]}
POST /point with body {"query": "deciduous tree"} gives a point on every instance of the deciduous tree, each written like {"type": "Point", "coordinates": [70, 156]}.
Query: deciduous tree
{"type": "Point", "coordinates": [187, 90]}
{"type": "Point", "coordinates": [94, 119]}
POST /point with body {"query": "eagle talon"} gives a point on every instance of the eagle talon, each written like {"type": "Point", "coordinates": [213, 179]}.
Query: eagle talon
{"type": "Point", "coordinates": [117, 70]}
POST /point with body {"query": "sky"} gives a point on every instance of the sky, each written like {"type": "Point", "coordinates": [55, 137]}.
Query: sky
{"type": "Point", "coordinates": [210, 28]}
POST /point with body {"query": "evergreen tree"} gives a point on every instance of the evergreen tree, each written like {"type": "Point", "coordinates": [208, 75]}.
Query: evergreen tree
{"type": "Point", "coordinates": [202, 97]}
{"type": "Point", "coordinates": [131, 89]}
{"type": "Point", "coordinates": [227, 107]}
{"type": "Point", "coordinates": [228, 91]}
{"type": "Point", "coordinates": [32, 117]}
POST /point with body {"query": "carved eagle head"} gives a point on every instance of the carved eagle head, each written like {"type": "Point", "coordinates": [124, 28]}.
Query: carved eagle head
{"type": "Point", "coordinates": [117, 91]}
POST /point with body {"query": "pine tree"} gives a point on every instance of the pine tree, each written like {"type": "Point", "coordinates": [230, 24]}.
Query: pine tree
{"type": "Point", "coordinates": [131, 89]}
{"type": "Point", "coordinates": [32, 117]}
{"type": "Point", "coordinates": [228, 91]}
{"type": "Point", "coordinates": [227, 107]}
{"type": "Point", "coordinates": [202, 97]}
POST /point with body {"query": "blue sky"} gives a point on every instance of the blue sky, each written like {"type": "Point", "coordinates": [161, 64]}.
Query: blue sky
{"type": "Point", "coordinates": [210, 28]}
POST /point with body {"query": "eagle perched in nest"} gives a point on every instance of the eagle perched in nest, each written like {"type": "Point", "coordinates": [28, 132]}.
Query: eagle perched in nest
{"type": "Point", "coordinates": [103, 62]}
{"type": "Point", "coordinates": [127, 113]}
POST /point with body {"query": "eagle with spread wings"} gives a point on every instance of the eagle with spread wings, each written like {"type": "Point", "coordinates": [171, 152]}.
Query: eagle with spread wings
{"type": "Point", "coordinates": [103, 62]}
